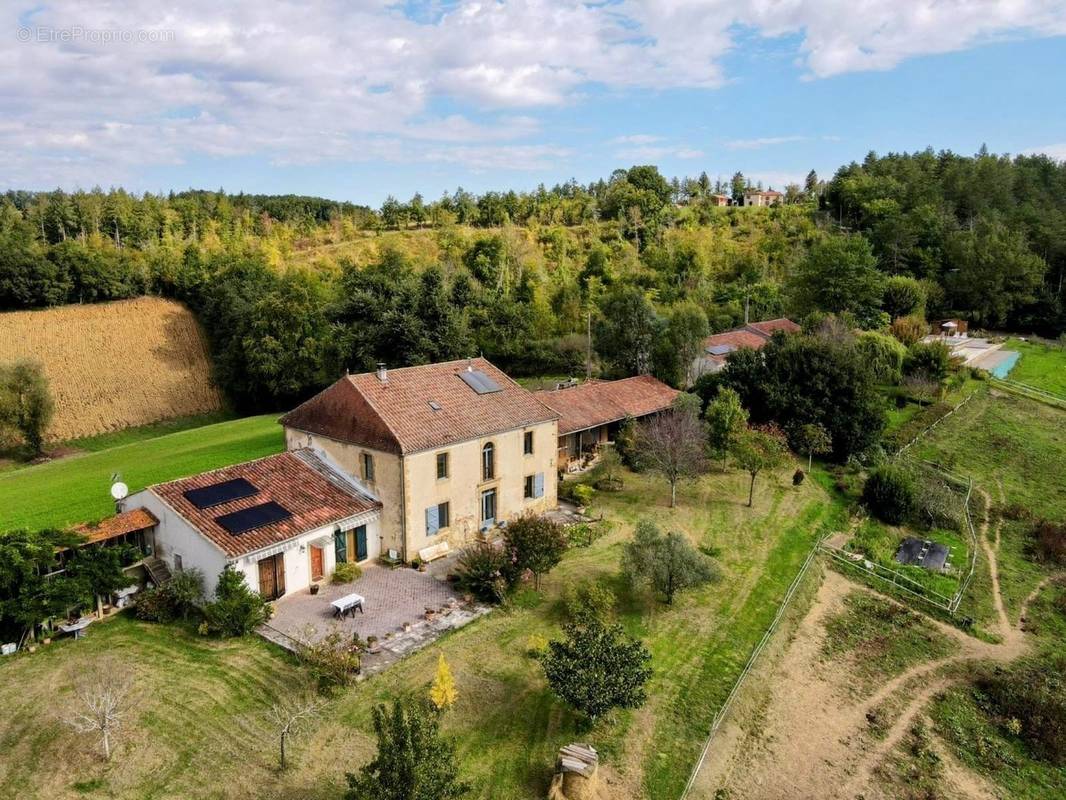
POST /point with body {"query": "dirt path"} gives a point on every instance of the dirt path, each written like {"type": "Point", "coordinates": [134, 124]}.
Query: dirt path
{"type": "Point", "coordinates": [811, 740]}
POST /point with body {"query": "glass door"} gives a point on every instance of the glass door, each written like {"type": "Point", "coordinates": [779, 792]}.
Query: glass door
{"type": "Point", "coordinates": [488, 508]}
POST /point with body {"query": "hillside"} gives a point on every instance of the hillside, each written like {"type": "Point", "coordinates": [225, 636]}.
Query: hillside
{"type": "Point", "coordinates": [115, 365]}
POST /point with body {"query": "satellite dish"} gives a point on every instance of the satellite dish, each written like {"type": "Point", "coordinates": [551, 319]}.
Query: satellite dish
{"type": "Point", "coordinates": [119, 490]}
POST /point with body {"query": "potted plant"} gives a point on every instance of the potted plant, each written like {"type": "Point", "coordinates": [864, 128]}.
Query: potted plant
{"type": "Point", "coordinates": [314, 588]}
{"type": "Point", "coordinates": [416, 564]}
{"type": "Point", "coordinates": [372, 645]}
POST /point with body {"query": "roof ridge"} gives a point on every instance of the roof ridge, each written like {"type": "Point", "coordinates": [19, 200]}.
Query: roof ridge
{"type": "Point", "coordinates": [218, 469]}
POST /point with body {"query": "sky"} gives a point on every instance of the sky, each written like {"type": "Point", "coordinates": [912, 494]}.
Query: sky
{"type": "Point", "coordinates": [359, 100]}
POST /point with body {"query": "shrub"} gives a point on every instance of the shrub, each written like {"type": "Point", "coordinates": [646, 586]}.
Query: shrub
{"type": "Point", "coordinates": [625, 444]}
{"type": "Point", "coordinates": [332, 661]}
{"type": "Point", "coordinates": [585, 533]}
{"type": "Point", "coordinates": [590, 598]}
{"type": "Point", "coordinates": [930, 360]}
{"type": "Point", "coordinates": [909, 329]}
{"type": "Point", "coordinates": [583, 494]}
{"type": "Point", "coordinates": [889, 494]}
{"type": "Point", "coordinates": [883, 354]}
{"type": "Point", "coordinates": [536, 645]}
{"type": "Point", "coordinates": [236, 610]}
{"type": "Point", "coordinates": [797, 477]}
{"type": "Point", "coordinates": [346, 572]}
{"type": "Point", "coordinates": [1029, 700]}
{"type": "Point", "coordinates": [176, 599]}
{"type": "Point", "coordinates": [480, 571]}
{"type": "Point", "coordinates": [1049, 541]}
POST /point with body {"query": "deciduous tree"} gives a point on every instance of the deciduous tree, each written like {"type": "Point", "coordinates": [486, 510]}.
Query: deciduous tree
{"type": "Point", "coordinates": [673, 444]}
{"type": "Point", "coordinates": [666, 562]}
{"type": "Point", "coordinates": [758, 450]}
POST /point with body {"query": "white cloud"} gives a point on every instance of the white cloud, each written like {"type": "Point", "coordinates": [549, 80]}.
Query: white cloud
{"type": "Point", "coordinates": [1055, 151]}
{"type": "Point", "coordinates": [294, 82]}
{"type": "Point", "coordinates": [766, 141]}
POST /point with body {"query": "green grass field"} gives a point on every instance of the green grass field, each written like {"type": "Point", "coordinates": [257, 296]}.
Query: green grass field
{"type": "Point", "coordinates": [1041, 365]}
{"type": "Point", "coordinates": [199, 729]}
{"type": "Point", "coordinates": [76, 489]}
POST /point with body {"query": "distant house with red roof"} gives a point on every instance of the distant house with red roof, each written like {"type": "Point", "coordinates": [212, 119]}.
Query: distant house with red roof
{"type": "Point", "coordinates": [758, 197]}
{"type": "Point", "coordinates": [592, 412]}
{"type": "Point", "coordinates": [754, 335]}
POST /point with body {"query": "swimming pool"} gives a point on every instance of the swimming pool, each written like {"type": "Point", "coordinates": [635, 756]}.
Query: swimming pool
{"type": "Point", "coordinates": [1002, 369]}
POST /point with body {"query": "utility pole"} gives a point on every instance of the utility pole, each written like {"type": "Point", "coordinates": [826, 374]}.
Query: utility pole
{"type": "Point", "coordinates": [588, 356]}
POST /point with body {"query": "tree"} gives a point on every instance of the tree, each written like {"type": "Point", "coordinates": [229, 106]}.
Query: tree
{"type": "Point", "coordinates": [103, 700]}
{"type": "Point", "coordinates": [810, 185]}
{"type": "Point", "coordinates": [903, 296]}
{"type": "Point", "coordinates": [840, 274]}
{"type": "Point", "coordinates": [726, 419]}
{"type": "Point", "coordinates": [928, 360]}
{"type": "Point", "coordinates": [810, 439]}
{"type": "Point", "coordinates": [737, 185]}
{"type": "Point", "coordinates": [100, 567]}
{"type": "Point", "coordinates": [289, 718]}
{"type": "Point", "coordinates": [27, 597]}
{"type": "Point", "coordinates": [883, 353]}
{"type": "Point", "coordinates": [597, 667]}
{"type": "Point", "coordinates": [625, 331]}
{"type": "Point", "coordinates": [26, 402]}
{"type": "Point", "coordinates": [535, 543]}
{"type": "Point", "coordinates": [673, 444]}
{"type": "Point", "coordinates": [679, 343]}
{"type": "Point", "coordinates": [798, 379]}
{"type": "Point", "coordinates": [668, 563]}
{"type": "Point", "coordinates": [413, 761]}
{"type": "Point", "coordinates": [442, 693]}
{"type": "Point", "coordinates": [757, 451]}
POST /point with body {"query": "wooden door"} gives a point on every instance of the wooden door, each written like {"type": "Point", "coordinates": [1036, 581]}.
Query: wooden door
{"type": "Point", "coordinates": [317, 568]}
{"type": "Point", "coordinates": [272, 577]}
{"type": "Point", "coordinates": [268, 585]}
{"type": "Point", "coordinates": [360, 543]}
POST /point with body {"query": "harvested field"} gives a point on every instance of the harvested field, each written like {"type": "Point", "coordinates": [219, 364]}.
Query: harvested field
{"type": "Point", "coordinates": [115, 365]}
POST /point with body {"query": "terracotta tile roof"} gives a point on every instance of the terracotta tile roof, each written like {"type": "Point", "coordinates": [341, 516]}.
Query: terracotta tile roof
{"type": "Point", "coordinates": [771, 326]}
{"type": "Point", "coordinates": [595, 403]}
{"type": "Point", "coordinates": [736, 339]}
{"type": "Point", "coordinates": [313, 493]}
{"type": "Point", "coordinates": [136, 519]}
{"type": "Point", "coordinates": [396, 415]}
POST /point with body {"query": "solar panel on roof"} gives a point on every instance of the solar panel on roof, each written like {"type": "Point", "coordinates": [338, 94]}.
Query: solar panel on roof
{"type": "Point", "coordinates": [218, 493]}
{"type": "Point", "coordinates": [720, 349]}
{"type": "Point", "coordinates": [247, 519]}
{"type": "Point", "coordinates": [479, 381]}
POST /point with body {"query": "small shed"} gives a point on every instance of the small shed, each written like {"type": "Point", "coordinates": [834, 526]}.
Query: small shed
{"type": "Point", "coordinates": [929, 555]}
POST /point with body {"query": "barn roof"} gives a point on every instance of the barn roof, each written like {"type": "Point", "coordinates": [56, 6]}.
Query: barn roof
{"type": "Point", "coordinates": [596, 403]}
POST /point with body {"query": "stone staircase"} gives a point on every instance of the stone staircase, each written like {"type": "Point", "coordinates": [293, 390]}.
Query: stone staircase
{"type": "Point", "coordinates": [158, 571]}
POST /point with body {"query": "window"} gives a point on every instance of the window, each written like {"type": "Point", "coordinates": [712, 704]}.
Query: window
{"type": "Point", "coordinates": [488, 508]}
{"type": "Point", "coordinates": [368, 467]}
{"type": "Point", "coordinates": [534, 486]}
{"type": "Point", "coordinates": [488, 462]}
{"type": "Point", "coordinates": [442, 465]}
{"type": "Point", "coordinates": [527, 443]}
{"type": "Point", "coordinates": [178, 567]}
{"type": "Point", "coordinates": [528, 492]}
{"type": "Point", "coordinates": [438, 517]}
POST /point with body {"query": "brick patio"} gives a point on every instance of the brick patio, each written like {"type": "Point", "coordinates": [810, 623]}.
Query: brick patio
{"type": "Point", "coordinates": [393, 597]}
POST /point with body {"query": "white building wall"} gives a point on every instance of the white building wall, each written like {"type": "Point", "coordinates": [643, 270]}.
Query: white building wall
{"type": "Point", "coordinates": [174, 535]}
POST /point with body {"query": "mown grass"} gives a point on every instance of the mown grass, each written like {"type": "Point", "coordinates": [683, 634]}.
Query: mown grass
{"type": "Point", "coordinates": [198, 731]}
{"type": "Point", "coordinates": [880, 639]}
{"type": "Point", "coordinates": [1040, 365]}
{"type": "Point", "coordinates": [76, 489]}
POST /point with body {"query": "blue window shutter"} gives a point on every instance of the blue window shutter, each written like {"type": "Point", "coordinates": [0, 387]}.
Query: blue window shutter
{"type": "Point", "coordinates": [538, 485]}
{"type": "Point", "coordinates": [432, 521]}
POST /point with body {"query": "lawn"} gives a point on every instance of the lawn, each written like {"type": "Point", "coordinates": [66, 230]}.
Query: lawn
{"type": "Point", "coordinates": [199, 730]}
{"type": "Point", "coordinates": [1006, 442]}
{"type": "Point", "coordinates": [1041, 365]}
{"type": "Point", "coordinates": [76, 489]}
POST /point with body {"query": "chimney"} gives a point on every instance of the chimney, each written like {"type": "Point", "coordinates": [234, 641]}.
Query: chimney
{"type": "Point", "coordinates": [383, 374]}
{"type": "Point", "coordinates": [470, 365]}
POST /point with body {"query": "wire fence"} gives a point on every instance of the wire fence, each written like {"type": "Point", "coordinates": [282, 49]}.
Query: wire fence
{"type": "Point", "coordinates": [1030, 391]}
{"type": "Point", "coordinates": [727, 704]}
{"type": "Point", "coordinates": [926, 430]}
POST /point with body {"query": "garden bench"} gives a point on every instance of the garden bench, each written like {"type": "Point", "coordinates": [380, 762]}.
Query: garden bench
{"type": "Point", "coordinates": [433, 552]}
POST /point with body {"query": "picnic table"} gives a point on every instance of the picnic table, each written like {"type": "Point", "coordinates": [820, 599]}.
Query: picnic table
{"type": "Point", "coordinates": [347, 604]}
{"type": "Point", "coordinates": [77, 628]}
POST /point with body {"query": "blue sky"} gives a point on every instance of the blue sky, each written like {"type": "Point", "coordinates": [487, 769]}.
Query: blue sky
{"type": "Point", "coordinates": [357, 101]}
